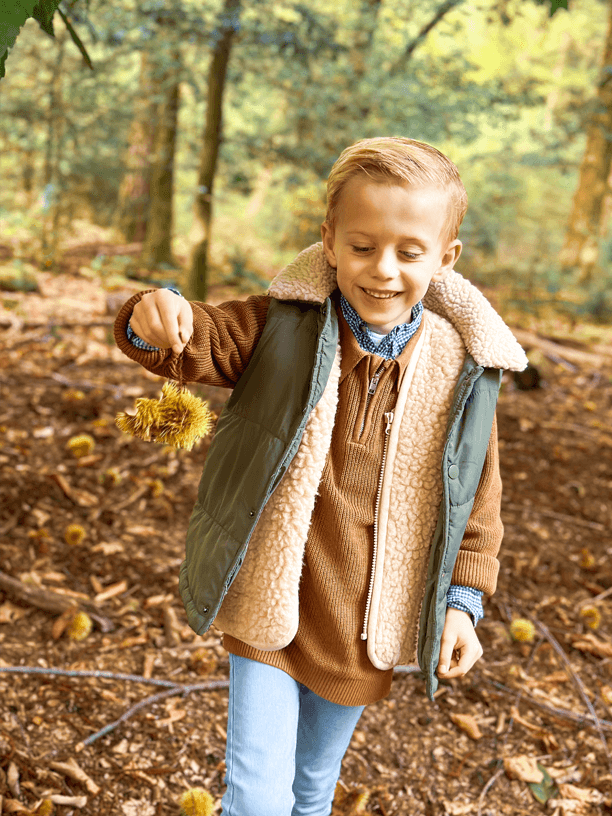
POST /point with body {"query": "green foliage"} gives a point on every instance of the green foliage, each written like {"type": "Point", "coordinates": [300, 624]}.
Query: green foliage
{"type": "Point", "coordinates": [544, 790]}
{"type": "Point", "coordinates": [43, 12]}
{"type": "Point", "coordinates": [13, 19]}
{"type": "Point", "coordinates": [505, 92]}
{"type": "Point", "coordinates": [554, 5]}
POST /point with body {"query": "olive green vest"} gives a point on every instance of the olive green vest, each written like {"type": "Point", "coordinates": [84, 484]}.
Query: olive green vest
{"type": "Point", "coordinates": [258, 435]}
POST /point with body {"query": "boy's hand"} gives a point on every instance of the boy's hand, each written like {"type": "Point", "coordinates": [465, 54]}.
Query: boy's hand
{"type": "Point", "coordinates": [163, 319]}
{"type": "Point", "coordinates": [460, 647]}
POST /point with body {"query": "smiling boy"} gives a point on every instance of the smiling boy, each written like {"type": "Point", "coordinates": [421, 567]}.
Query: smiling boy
{"type": "Point", "coordinates": [349, 504]}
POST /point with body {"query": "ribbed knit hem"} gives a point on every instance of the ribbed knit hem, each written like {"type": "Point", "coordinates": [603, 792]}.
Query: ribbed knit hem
{"type": "Point", "coordinates": [476, 570]}
{"type": "Point", "coordinates": [339, 690]}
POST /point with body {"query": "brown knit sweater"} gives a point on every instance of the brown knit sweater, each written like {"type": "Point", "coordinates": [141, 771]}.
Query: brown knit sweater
{"type": "Point", "coordinates": [327, 654]}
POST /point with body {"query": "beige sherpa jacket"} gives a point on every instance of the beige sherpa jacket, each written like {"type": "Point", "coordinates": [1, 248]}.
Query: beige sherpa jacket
{"type": "Point", "coordinates": [261, 607]}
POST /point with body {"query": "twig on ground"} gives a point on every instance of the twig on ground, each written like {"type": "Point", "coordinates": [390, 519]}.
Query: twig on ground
{"type": "Point", "coordinates": [578, 683]}
{"type": "Point", "coordinates": [50, 601]}
{"type": "Point", "coordinates": [601, 595]}
{"type": "Point", "coordinates": [154, 698]}
{"type": "Point", "coordinates": [486, 788]}
{"type": "Point", "coordinates": [171, 689]}
{"type": "Point", "coordinates": [134, 678]}
{"type": "Point", "coordinates": [593, 525]}
{"type": "Point", "coordinates": [561, 713]}
{"type": "Point", "coordinates": [499, 771]}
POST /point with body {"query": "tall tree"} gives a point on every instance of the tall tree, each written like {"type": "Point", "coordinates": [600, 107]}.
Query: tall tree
{"type": "Point", "coordinates": [134, 192]}
{"type": "Point", "coordinates": [52, 174]}
{"type": "Point", "coordinates": [228, 24]}
{"type": "Point", "coordinates": [157, 248]}
{"type": "Point", "coordinates": [585, 227]}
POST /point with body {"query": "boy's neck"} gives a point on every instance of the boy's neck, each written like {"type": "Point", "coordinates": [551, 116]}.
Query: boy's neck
{"type": "Point", "coordinates": [379, 330]}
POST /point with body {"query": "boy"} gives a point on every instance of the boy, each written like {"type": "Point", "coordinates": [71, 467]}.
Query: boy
{"type": "Point", "coordinates": [357, 459]}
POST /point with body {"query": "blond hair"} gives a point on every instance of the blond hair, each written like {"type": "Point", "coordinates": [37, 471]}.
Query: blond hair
{"type": "Point", "coordinates": [397, 159]}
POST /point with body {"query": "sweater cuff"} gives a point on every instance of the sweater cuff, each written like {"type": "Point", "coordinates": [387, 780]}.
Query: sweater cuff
{"type": "Point", "coordinates": [467, 599]}
{"type": "Point", "coordinates": [137, 341]}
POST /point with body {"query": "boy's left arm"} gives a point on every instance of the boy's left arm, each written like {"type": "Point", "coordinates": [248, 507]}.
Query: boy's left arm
{"type": "Point", "coordinates": [476, 567]}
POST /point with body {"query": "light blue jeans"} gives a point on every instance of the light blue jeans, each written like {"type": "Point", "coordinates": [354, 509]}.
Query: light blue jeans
{"type": "Point", "coordinates": [284, 744]}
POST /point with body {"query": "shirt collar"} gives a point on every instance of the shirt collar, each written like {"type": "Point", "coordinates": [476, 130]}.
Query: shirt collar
{"type": "Point", "coordinates": [395, 341]}
{"type": "Point", "coordinates": [353, 353]}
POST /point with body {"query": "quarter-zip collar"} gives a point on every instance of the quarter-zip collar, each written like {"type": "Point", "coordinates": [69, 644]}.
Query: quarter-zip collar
{"type": "Point", "coordinates": [352, 353]}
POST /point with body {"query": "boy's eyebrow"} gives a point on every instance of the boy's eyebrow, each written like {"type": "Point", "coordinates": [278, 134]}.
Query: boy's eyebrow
{"type": "Point", "coordinates": [404, 238]}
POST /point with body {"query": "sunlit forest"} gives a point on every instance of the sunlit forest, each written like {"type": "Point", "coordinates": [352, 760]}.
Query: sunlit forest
{"type": "Point", "coordinates": [504, 88]}
{"type": "Point", "coordinates": [179, 143]}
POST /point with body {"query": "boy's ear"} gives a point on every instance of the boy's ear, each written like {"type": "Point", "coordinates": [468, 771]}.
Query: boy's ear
{"type": "Point", "coordinates": [449, 259]}
{"type": "Point", "coordinates": [327, 234]}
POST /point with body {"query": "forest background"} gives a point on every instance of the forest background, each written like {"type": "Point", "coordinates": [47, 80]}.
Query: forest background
{"type": "Point", "coordinates": [247, 105]}
{"type": "Point", "coordinates": [155, 143]}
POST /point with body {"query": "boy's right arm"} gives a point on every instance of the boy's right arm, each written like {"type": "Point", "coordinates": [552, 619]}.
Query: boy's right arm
{"type": "Point", "coordinates": [221, 344]}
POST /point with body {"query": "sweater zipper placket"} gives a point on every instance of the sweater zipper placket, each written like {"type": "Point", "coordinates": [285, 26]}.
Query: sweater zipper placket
{"type": "Point", "coordinates": [389, 419]}
{"type": "Point", "coordinates": [371, 389]}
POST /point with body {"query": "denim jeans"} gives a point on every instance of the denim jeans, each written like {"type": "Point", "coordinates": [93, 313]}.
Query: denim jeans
{"type": "Point", "coordinates": [284, 744]}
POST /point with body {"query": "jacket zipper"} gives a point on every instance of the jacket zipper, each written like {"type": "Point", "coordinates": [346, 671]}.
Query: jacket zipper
{"type": "Point", "coordinates": [371, 389]}
{"type": "Point", "coordinates": [389, 420]}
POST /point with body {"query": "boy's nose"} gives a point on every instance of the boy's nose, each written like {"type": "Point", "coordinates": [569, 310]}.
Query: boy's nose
{"type": "Point", "coordinates": [385, 266]}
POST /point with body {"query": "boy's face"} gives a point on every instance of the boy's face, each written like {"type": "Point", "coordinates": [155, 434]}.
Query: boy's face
{"type": "Point", "coordinates": [387, 247]}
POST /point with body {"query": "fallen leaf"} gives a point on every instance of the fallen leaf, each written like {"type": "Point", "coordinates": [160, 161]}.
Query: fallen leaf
{"type": "Point", "coordinates": [72, 769]}
{"type": "Point", "coordinates": [468, 724]}
{"type": "Point", "coordinates": [10, 612]}
{"type": "Point", "coordinates": [524, 768]}
{"type": "Point", "coordinates": [592, 645]}
{"type": "Point", "coordinates": [456, 809]}
{"type": "Point", "coordinates": [72, 801]}
{"type": "Point", "coordinates": [567, 807]}
{"type": "Point", "coordinates": [108, 547]}
{"type": "Point", "coordinates": [111, 591]}
{"type": "Point", "coordinates": [14, 806]}
{"type": "Point", "coordinates": [544, 790]}
{"type": "Point", "coordinates": [588, 795]}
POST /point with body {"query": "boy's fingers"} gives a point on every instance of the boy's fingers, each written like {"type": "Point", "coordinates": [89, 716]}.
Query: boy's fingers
{"type": "Point", "coordinates": [446, 655]}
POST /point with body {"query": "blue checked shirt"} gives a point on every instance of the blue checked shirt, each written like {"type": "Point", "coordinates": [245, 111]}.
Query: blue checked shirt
{"type": "Point", "coordinates": [388, 346]}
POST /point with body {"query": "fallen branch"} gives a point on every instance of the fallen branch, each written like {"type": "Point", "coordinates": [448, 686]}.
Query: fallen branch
{"type": "Point", "coordinates": [518, 695]}
{"type": "Point", "coordinates": [487, 787]}
{"type": "Point", "coordinates": [561, 713]}
{"type": "Point", "coordinates": [154, 698]}
{"type": "Point", "coordinates": [105, 675]}
{"type": "Point", "coordinates": [554, 350]}
{"type": "Point", "coordinates": [577, 682]}
{"type": "Point", "coordinates": [592, 525]}
{"type": "Point", "coordinates": [50, 601]}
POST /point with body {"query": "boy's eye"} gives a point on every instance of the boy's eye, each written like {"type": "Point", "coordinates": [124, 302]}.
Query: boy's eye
{"type": "Point", "coordinates": [361, 249]}
{"type": "Point", "coordinates": [411, 255]}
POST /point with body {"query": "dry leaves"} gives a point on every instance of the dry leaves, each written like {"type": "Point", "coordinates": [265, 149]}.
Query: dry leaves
{"type": "Point", "coordinates": [467, 723]}
{"type": "Point", "coordinates": [524, 768]}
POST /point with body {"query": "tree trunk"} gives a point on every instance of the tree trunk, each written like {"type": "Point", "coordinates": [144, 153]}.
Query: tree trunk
{"type": "Point", "coordinates": [198, 275]}
{"type": "Point", "coordinates": [55, 127]}
{"type": "Point", "coordinates": [158, 242]}
{"type": "Point", "coordinates": [581, 246]}
{"type": "Point", "coordinates": [134, 191]}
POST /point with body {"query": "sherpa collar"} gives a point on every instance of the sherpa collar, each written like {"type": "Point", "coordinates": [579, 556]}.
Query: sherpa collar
{"type": "Point", "coordinates": [485, 335]}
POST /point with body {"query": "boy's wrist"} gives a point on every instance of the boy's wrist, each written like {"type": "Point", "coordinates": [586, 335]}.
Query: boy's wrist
{"type": "Point", "coordinates": [466, 599]}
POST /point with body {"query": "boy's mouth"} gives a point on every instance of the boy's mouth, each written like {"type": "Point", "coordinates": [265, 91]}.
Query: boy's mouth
{"type": "Point", "coordinates": [379, 294]}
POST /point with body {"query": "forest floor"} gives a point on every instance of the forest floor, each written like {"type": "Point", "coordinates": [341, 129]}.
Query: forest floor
{"type": "Point", "coordinates": [525, 708]}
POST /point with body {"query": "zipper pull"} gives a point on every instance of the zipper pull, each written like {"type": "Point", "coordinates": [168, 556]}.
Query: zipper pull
{"type": "Point", "coordinates": [373, 383]}
{"type": "Point", "coordinates": [389, 420]}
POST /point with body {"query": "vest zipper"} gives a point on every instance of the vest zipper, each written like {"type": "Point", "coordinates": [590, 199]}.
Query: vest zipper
{"type": "Point", "coordinates": [371, 389]}
{"type": "Point", "coordinates": [389, 420]}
